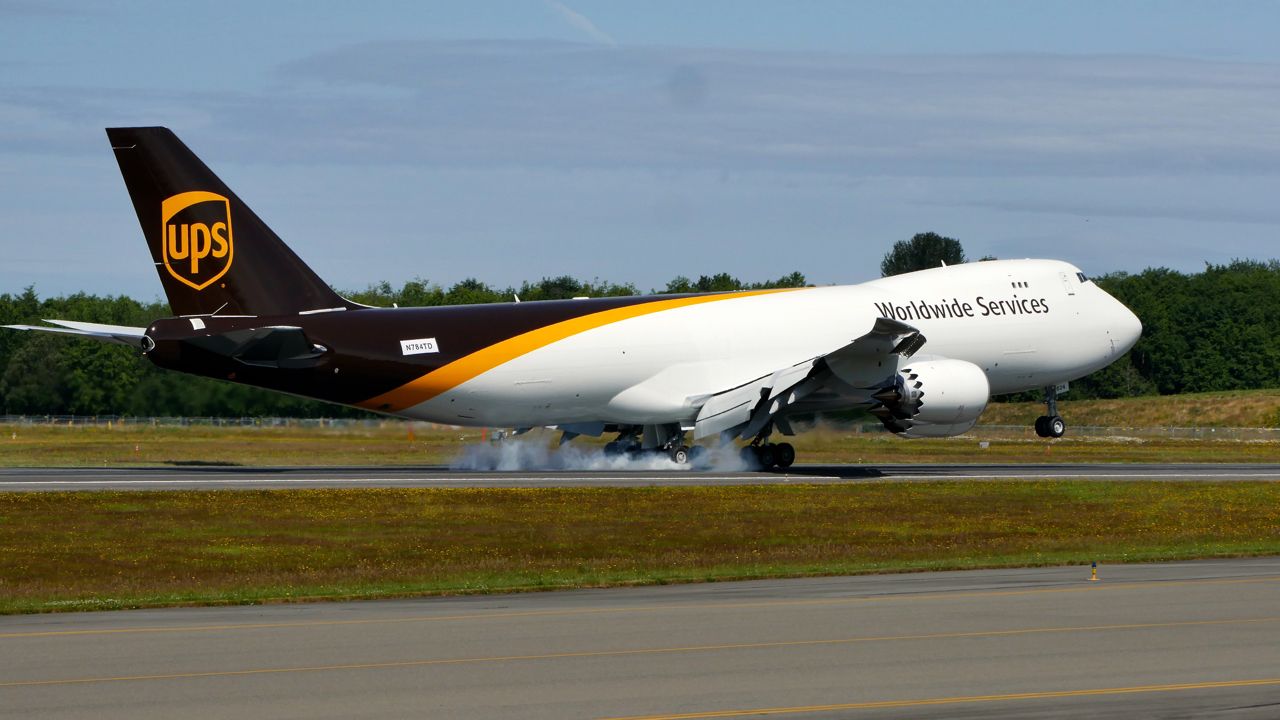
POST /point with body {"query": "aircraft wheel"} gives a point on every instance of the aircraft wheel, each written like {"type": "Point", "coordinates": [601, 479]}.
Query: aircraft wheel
{"type": "Point", "coordinates": [785, 454]}
{"type": "Point", "coordinates": [1041, 430]}
{"type": "Point", "coordinates": [768, 456]}
{"type": "Point", "coordinates": [680, 455]}
{"type": "Point", "coordinates": [612, 449]}
{"type": "Point", "coordinates": [1055, 426]}
{"type": "Point", "coordinates": [749, 457]}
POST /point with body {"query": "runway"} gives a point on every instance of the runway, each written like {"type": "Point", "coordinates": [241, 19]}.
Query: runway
{"type": "Point", "coordinates": [243, 478]}
{"type": "Point", "coordinates": [1172, 640]}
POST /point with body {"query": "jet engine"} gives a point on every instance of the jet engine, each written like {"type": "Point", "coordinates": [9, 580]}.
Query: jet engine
{"type": "Point", "coordinates": [932, 398]}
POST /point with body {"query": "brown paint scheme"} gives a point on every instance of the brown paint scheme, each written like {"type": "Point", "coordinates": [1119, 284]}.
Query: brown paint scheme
{"type": "Point", "coordinates": [364, 345]}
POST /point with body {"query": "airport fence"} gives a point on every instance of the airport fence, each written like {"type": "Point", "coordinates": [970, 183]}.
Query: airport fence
{"type": "Point", "coordinates": [1237, 434]}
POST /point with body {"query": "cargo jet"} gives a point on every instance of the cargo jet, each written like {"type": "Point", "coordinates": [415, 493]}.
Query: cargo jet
{"type": "Point", "coordinates": [923, 352]}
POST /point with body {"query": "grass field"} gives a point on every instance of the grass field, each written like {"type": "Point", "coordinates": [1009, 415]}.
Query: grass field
{"type": "Point", "coordinates": [76, 551]}
{"type": "Point", "coordinates": [104, 550]}
{"type": "Point", "coordinates": [1244, 408]}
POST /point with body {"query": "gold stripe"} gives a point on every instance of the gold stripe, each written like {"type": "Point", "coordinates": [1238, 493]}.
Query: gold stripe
{"type": "Point", "coordinates": [642, 651]}
{"type": "Point", "coordinates": [960, 699]}
{"type": "Point", "coordinates": [465, 368]}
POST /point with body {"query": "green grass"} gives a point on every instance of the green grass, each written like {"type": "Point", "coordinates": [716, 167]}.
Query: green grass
{"type": "Point", "coordinates": [73, 551]}
{"type": "Point", "coordinates": [1241, 408]}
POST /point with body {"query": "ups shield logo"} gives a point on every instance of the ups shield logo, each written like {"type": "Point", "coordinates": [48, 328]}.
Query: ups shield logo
{"type": "Point", "coordinates": [196, 236]}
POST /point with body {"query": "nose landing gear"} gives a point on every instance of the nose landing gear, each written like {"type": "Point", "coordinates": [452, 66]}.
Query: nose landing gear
{"type": "Point", "coordinates": [1051, 425]}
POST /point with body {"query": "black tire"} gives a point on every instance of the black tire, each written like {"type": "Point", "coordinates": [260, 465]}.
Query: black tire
{"type": "Point", "coordinates": [612, 449]}
{"type": "Point", "coordinates": [768, 456]}
{"type": "Point", "coordinates": [785, 454]}
{"type": "Point", "coordinates": [680, 455]}
{"type": "Point", "coordinates": [749, 457]}
{"type": "Point", "coordinates": [1056, 426]}
{"type": "Point", "coordinates": [1041, 430]}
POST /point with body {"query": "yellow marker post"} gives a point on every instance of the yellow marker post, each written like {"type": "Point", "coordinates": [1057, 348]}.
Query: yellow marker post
{"type": "Point", "coordinates": [1093, 574]}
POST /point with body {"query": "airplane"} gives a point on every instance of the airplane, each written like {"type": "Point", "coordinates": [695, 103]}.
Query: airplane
{"type": "Point", "coordinates": [923, 352]}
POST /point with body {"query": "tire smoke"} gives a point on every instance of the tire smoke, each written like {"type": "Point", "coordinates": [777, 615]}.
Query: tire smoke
{"type": "Point", "coordinates": [535, 454]}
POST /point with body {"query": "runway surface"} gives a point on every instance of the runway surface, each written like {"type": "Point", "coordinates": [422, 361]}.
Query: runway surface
{"type": "Point", "coordinates": [1171, 640]}
{"type": "Point", "coordinates": [224, 477]}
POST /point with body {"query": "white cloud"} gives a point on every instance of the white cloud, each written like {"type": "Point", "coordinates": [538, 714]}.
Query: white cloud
{"type": "Point", "coordinates": [623, 158]}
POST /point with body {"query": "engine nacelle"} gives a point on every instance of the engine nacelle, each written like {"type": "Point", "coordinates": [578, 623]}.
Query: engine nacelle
{"type": "Point", "coordinates": [937, 431]}
{"type": "Point", "coordinates": [933, 398]}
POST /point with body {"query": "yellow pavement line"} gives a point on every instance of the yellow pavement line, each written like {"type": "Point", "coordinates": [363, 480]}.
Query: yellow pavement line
{"type": "Point", "coordinates": [958, 700]}
{"type": "Point", "coordinates": [905, 597]}
{"type": "Point", "coordinates": [641, 651]}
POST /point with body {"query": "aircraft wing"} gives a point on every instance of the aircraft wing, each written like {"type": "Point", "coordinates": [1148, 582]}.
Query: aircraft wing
{"type": "Point", "coordinates": [746, 409]}
{"type": "Point", "coordinates": [120, 334]}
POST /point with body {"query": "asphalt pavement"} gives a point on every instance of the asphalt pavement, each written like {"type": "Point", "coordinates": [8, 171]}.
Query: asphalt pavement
{"type": "Point", "coordinates": [1185, 639]}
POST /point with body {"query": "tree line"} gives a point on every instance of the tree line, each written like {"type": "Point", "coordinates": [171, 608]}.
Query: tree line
{"type": "Point", "coordinates": [1218, 329]}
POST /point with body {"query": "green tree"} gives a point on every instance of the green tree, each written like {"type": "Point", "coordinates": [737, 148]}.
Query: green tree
{"type": "Point", "coordinates": [922, 251]}
{"type": "Point", "coordinates": [724, 282]}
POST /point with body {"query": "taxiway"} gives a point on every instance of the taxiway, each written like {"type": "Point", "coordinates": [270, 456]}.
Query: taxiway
{"type": "Point", "coordinates": [1184, 639]}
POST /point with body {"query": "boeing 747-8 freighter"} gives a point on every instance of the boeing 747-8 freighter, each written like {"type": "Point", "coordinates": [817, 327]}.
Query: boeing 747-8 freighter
{"type": "Point", "coordinates": [653, 369]}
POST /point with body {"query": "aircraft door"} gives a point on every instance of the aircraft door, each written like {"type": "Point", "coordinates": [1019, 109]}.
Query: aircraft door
{"type": "Point", "coordinates": [1068, 283]}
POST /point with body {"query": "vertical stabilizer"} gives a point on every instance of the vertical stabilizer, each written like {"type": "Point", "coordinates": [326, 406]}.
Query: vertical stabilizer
{"type": "Point", "coordinates": [214, 255]}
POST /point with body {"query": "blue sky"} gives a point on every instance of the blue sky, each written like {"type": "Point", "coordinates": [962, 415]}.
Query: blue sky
{"type": "Point", "coordinates": [636, 141]}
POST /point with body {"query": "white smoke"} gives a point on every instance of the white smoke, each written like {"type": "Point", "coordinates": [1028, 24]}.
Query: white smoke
{"type": "Point", "coordinates": [535, 454]}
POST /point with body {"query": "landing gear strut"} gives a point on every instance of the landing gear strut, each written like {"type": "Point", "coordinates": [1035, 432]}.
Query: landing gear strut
{"type": "Point", "coordinates": [1051, 425]}
{"type": "Point", "coordinates": [666, 440]}
{"type": "Point", "coordinates": [767, 455]}
{"type": "Point", "coordinates": [627, 442]}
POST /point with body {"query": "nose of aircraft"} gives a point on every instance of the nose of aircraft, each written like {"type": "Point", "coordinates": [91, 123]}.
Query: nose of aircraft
{"type": "Point", "coordinates": [1126, 328]}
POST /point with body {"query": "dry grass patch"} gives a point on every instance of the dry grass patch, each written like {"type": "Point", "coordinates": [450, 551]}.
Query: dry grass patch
{"type": "Point", "coordinates": [1244, 408]}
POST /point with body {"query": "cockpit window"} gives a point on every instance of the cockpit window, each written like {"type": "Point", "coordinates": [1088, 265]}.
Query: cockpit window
{"type": "Point", "coordinates": [1083, 279]}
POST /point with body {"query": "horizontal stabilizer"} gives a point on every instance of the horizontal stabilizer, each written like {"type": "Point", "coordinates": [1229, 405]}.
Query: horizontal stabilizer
{"type": "Point", "coordinates": [269, 347]}
{"type": "Point", "coordinates": [120, 334]}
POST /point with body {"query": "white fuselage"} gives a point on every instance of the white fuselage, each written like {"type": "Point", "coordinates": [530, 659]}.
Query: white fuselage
{"type": "Point", "coordinates": [1026, 323]}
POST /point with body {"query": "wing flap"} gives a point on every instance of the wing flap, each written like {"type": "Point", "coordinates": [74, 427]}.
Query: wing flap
{"type": "Point", "coordinates": [729, 409]}
{"type": "Point", "coordinates": [747, 409]}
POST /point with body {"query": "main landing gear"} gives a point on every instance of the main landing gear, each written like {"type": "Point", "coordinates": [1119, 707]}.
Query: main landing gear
{"type": "Point", "coordinates": [666, 440]}
{"type": "Point", "coordinates": [1051, 425]}
{"type": "Point", "coordinates": [766, 455]}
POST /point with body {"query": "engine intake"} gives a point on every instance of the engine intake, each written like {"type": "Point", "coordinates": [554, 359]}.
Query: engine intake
{"type": "Point", "coordinates": [933, 398]}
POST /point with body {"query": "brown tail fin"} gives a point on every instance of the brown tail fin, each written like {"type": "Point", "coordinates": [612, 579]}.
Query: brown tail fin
{"type": "Point", "coordinates": [214, 255]}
